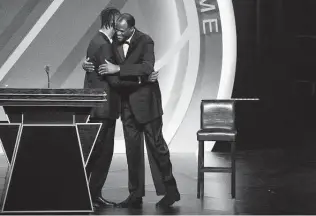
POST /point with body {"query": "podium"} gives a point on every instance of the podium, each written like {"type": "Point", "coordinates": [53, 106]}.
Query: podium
{"type": "Point", "coordinates": [47, 142]}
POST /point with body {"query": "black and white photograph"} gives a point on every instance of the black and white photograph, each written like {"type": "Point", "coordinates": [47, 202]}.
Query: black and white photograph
{"type": "Point", "coordinates": [157, 107]}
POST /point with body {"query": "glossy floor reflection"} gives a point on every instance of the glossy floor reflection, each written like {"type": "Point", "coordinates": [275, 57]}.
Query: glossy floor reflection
{"type": "Point", "coordinates": [274, 181]}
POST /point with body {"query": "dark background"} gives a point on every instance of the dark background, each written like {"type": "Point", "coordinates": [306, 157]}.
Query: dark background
{"type": "Point", "coordinates": [275, 63]}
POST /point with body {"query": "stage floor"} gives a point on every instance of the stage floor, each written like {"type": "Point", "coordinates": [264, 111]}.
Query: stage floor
{"type": "Point", "coordinates": [271, 181]}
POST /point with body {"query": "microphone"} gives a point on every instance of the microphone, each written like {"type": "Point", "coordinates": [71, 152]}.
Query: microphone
{"type": "Point", "coordinates": [47, 69]}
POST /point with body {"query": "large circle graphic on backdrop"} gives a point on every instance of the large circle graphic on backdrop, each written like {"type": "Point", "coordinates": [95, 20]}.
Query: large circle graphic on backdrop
{"type": "Point", "coordinates": [182, 53]}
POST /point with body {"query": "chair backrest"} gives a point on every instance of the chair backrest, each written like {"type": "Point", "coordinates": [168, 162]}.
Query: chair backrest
{"type": "Point", "coordinates": [218, 114]}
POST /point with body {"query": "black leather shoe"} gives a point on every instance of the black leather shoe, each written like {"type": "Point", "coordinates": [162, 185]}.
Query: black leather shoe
{"type": "Point", "coordinates": [131, 202]}
{"type": "Point", "coordinates": [103, 202]}
{"type": "Point", "coordinates": [169, 199]}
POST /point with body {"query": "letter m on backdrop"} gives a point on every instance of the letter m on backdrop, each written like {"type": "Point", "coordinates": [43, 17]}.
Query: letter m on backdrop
{"type": "Point", "coordinates": [206, 6]}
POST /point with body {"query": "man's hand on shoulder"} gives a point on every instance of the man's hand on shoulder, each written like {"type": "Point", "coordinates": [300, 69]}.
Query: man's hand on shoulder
{"type": "Point", "coordinates": [108, 68]}
{"type": "Point", "coordinates": [88, 66]}
{"type": "Point", "coordinates": [153, 77]}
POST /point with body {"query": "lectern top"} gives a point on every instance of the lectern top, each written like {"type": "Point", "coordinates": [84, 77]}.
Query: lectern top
{"type": "Point", "coordinates": [52, 97]}
{"type": "Point", "coordinates": [53, 92]}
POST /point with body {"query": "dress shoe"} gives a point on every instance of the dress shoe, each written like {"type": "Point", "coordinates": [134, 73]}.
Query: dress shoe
{"type": "Point", "coordinates": [103, 202]}
{"type": "Point", "coordinates": [131, 202]}
{"type": "Point", "coordinates": [169, 199]}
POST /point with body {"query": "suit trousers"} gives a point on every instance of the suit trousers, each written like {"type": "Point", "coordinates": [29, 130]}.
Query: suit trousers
{"type": "Point", "coordinates": [101, 157]}
{"type": "Point", "coordinates": [100, 160]}
{"type": "Point", "coordinates": [156, 148]}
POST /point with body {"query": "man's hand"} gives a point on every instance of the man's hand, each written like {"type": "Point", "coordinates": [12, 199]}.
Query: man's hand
{"type": "Point", "coordinates": [153, 77]}
{"type": "Point", "coordinates": [88, 66]}
{"type": "Point", "coordinates": [108, 68]}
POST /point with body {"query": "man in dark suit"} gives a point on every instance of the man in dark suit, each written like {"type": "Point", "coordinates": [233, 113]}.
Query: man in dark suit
{"type": "Point", "coordinates": [141, 108]}
{"type": "Point", "coordinates": [99, 49]}
{"type": "Point", "coordinates": [101, 157]}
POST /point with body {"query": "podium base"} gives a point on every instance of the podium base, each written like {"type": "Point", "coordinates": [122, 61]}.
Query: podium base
{"type": "Point", "coordinates": [47, 172]}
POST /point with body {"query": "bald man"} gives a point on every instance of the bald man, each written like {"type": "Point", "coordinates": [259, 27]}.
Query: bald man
{"type": "Point", "coordinates": [141, 109]}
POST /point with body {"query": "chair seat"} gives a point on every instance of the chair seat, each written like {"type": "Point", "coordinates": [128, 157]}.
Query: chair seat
{"type": "Point", "coordinates": [216, 134]}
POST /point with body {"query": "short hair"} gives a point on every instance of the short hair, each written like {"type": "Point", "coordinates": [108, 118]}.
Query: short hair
{"type": "Point", "coordinates": [130, 20]}
{"type": "Point", "coordinates": [107, 17]}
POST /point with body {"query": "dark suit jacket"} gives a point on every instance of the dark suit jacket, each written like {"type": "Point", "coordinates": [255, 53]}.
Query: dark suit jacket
{"type": "Point", "coordinates": [145, 100]}
{"type": "Point", "coordinates": [100, 48]}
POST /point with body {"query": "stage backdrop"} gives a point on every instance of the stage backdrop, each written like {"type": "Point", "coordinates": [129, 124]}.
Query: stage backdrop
{"type": "Point", "coordinates": [195, 46]}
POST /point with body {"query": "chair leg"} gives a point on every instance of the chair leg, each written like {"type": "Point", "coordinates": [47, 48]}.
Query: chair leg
{"type": "Point", "coordinates": [198, 174]}
{"type": "Point", "coordinates": [233, 177]}
{"type": "Point", "coordinates": [200, 180]}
